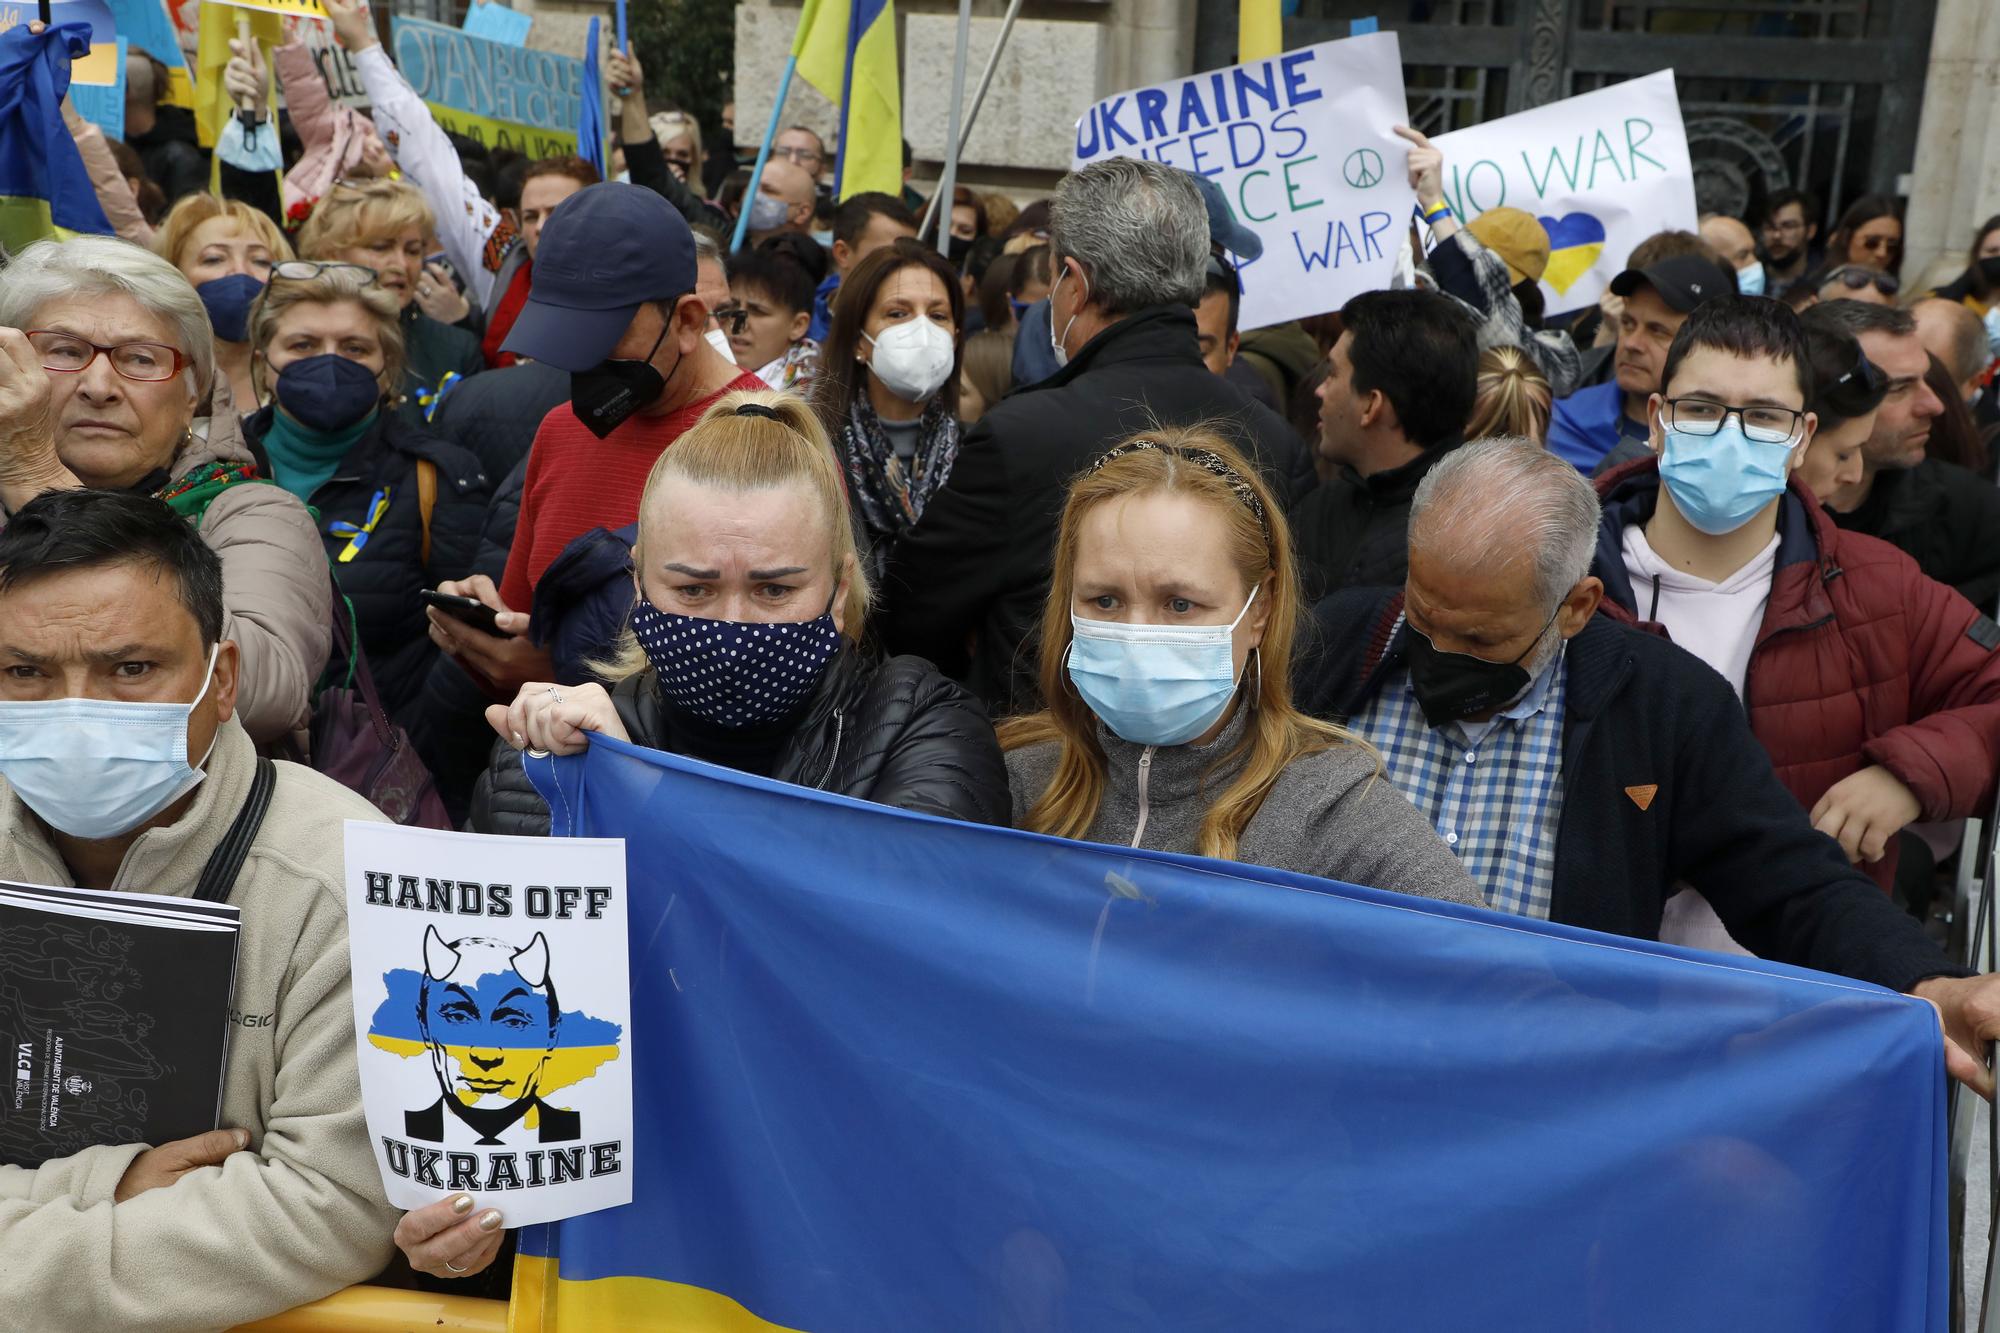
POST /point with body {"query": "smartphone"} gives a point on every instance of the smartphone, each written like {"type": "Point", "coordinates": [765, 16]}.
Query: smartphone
{"type": "Point", "coordinates": [468, 609]}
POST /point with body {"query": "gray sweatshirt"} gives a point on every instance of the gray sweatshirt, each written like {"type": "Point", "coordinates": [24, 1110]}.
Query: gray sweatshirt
{"type": "Point", "coordinates": [1328, 815]}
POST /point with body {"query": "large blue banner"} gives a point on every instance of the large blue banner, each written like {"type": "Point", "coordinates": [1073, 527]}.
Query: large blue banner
{"type": "Point", "coordinates": [896, 1073]}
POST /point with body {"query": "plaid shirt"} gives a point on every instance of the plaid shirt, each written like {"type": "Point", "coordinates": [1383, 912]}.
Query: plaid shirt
{"type": "Point", "coordinates": [1495, 801]}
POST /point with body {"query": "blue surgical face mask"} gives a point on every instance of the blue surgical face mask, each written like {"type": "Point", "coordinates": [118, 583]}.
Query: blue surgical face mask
{"type": "Point", "coordinates": [1056, 340]}
{"type": "Point", "coordinates": [1720, 481]}
{"type": "Point", "coordinates": [767, 213]}
{"type": "Point", "coordinates": [825, 239]}
{"type": "Point", "coordinates": [99, 768]}
{"type": "Point", "coordinates": [1750, 279]}
{"type": "Point", "coordinates": [1155, 684]}
{"type": "Point", "coordinates": [228, 301]}
{"type": "Point", "coordinates": [1993, 330]}
{"type": "Point", "coordinates": [327, 392]}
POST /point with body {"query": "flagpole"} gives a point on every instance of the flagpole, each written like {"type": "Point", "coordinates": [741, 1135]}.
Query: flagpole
{"type": "Point", "coordinates": [978, 97]}
{"type": "Point", "coordinates": [764, 152]}
{"type": "Point", "coordinates": [953, 145]}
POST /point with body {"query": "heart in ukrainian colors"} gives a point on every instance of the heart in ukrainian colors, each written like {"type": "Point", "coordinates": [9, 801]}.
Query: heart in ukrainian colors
{"type": "Point", "coordinates": [1575, 242]}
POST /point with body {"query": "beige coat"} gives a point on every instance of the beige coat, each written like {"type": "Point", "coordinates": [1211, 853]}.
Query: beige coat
{"type": "Point", "coordinates": [298, 1215]}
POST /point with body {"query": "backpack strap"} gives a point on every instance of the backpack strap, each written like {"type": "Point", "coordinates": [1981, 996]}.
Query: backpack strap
{"type": "Point", "coordinates": [218, 877]}
{"type": "Point", "coordinates": [427, 499]}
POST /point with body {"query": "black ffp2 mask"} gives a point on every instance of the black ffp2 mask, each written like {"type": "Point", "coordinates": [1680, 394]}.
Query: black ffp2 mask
{"type": "Point", "coordinates": [1451, 686]}
{"type": "Point", "coordinates": [605, 396]}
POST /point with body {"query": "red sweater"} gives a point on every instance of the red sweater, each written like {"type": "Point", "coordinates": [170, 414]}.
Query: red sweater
{"type": "Point", "coordinates": [577, 482]}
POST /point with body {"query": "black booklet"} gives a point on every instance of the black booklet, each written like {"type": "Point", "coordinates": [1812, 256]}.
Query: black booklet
{"type": "Point", "coordinates": [114, 1018]}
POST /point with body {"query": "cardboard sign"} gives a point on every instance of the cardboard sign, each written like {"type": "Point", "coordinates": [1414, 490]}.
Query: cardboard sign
{"type": "Point", "coordinates": [1602, 171]}
{"type": "Point", "coordinates": [1302, 145]}
{"type": "Point", "coordinates": [491, 1018]}
{"type": "Point", "coordinates": [335, 65]}
{"type": "Point", "coordinates": [502, 96]}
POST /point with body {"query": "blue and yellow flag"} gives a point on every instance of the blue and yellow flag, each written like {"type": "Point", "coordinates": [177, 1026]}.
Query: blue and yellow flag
{"type": "Point", "coordinates": [847, 50]}
{"type": "Point", "coordinates": [590, 107]}
{"type": "Point", "coordinates": [44, 189]}
{"type": "Point", "coordinates": [894, 1073]}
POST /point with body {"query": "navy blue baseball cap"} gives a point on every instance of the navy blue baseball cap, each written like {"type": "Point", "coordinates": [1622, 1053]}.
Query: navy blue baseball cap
{"type": "Point", "coordinates": [1223, 228]}
{"type": "Point", "coordinates": [605, 251]}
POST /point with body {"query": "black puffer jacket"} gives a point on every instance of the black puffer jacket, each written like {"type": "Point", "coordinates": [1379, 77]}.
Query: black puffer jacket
{"type": "Point", "coordinates": [383, 577]}
{"type": "Point", "coordinates": [894, 732]}
{"type": "Point", "coordinates": [1945, 517]}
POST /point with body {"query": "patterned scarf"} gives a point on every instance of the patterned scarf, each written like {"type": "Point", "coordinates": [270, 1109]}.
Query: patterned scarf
{"type": "Point", "coordinates": [891, 497]}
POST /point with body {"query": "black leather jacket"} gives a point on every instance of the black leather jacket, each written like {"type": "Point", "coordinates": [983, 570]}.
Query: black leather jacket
{"type": "Point", "coordinates": [893, 732]}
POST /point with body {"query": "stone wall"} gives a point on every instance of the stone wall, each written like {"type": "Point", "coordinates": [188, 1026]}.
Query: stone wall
{"type": "Point", "coordinates": [1956, 184]}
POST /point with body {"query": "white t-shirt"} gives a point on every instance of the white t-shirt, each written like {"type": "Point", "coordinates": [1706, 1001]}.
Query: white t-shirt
{"type": "Point", "coordinates": [1718, 623]}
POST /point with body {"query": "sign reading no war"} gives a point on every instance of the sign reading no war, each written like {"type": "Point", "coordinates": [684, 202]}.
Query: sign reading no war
{"type": "Point", "coordinates": [503, 96]}
{"type": "Point", "coordinates": [1602, 171]}
{"type": "Point", "coordinates": [1302, 147]}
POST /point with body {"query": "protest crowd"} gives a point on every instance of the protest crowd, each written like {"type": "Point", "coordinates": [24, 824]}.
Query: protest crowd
{"type": "Point", "coordinates": [343, 478]}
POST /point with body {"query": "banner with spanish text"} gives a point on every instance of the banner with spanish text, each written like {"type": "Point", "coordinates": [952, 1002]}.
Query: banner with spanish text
{"type": "Point", "coordinates": [894, 1073]}
{"type": "Point", "coordinates": [500, 95]}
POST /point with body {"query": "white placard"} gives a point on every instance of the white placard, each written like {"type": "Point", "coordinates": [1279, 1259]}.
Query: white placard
{"type": "Point", "coordinates": [1602, 171]}
{"type": "Point", "coordinates": [492, 1012]}
{"type": "Point", "coordinates": [1302, 145]}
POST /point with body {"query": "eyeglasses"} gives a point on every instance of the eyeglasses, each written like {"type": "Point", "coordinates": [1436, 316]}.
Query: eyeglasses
{"type": "Point", "coordinates": [1702, 416]}
{"type": "Point", "coordinates": [798, 155]}
{"type": "Point", "coordinates": [146, 363]}
{"type": "Point", "coordinates": [730, 318]}
{"type": "Point", "coordinates": [1856, 276]}
{"type": "Point", "coordinates": [305, 270]}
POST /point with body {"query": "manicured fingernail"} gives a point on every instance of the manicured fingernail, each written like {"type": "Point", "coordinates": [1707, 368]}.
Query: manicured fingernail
{"type": "Point", "coordinates": [490, 1222]}
{"type": "Point", "coordinates": [462, 1204]}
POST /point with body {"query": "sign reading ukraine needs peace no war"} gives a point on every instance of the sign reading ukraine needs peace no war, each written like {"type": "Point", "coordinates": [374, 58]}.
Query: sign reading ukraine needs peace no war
{"type": "Point", "coordinates": [1602, 171]}
{"type": "Point", "coordinates": [492, 1017]}
{"type": "Point", "coordinates": [1303, 148]}
{"type": "Point", "coordinates": [500, 95]}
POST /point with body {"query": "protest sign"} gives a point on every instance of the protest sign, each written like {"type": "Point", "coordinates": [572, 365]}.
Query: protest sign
{"type": "Point", "coordinates": [305, 9]}
{"type": "Point", "coordinates": [1303, 148]}
{"type": "Point", "coordinates": [498, 23]}
{"type": "Point", "coordinates": [491, 1013]}
{"type": "Point", "coordinates": [332, 60]}
{"type": "Point", "coordinates": [1602, 171]}
{"type": "Point", "coordinates": [103, 107]}
{"type": "Point", "coordinates": [147, 25]}
{"type": "Point", "coordinates": [502, 96]}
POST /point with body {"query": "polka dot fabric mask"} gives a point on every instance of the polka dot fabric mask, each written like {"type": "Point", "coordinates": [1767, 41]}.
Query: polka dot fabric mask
{"type": "Point", "coordinates": [735, 673]}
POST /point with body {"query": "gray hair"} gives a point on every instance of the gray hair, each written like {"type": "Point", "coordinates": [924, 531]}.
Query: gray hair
{"type": "Point", "coordinates": [86, 266]}
{"type": "Point", "coordinates": [1503, 497]}
{"type": "Point", "coordinates": [1139, 229]}
{"type": "Point", "coordinates": [706, 247]}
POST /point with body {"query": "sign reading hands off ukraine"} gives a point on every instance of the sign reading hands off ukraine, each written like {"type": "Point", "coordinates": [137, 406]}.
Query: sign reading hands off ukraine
{"type": "Point", "coordinates": [1602, 171]}
{"type": "Point", "coordinates": [491, 1013]}
{"type": "Point", "coordinates": [1303, 148]}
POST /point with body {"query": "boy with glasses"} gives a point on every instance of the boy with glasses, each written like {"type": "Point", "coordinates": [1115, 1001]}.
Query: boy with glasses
{"type": "Point", "coordinates": [1875, 690]}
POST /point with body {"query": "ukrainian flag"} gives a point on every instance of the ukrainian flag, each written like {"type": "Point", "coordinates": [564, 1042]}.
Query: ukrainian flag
{"type": "Point", "coordinates": [847, 50]}
{"type": "Point", "coordinates": [44, 189]}
{"type": "Point", "coordinates": [894, 1073]}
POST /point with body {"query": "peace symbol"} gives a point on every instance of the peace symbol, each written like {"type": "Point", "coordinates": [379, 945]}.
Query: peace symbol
{"type": "Point", "coordinates": [1363, 168]}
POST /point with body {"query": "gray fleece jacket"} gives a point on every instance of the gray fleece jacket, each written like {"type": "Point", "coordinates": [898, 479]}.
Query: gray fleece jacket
{"type": "Point", "coordinates": [1330, 814]}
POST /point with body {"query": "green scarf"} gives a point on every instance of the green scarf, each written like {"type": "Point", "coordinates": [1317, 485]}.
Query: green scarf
{"type": "Point", "coordinates": [303, 459]}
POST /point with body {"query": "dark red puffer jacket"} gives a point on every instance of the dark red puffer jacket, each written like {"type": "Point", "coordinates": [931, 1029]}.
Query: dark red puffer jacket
{"type": "Point", "coordinates": [1860, 659]}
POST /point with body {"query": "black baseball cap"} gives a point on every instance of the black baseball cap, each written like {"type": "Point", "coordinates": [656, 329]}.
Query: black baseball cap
{"type": "Point", "coordinates": [605, 251]}
{"type": "Point", "coordinates": [1683, 281]}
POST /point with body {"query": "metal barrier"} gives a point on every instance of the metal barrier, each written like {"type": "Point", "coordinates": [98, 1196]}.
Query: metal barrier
{"type": "Point", "coordinates": [387, 1310]}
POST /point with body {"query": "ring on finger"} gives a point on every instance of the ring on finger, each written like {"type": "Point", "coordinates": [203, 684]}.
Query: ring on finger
{"type": "Point", "coordinates": [456, 1269]}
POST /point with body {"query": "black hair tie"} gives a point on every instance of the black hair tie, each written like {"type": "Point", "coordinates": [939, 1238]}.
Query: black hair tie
{"type": "Point", "coordinates": [758, 410]}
